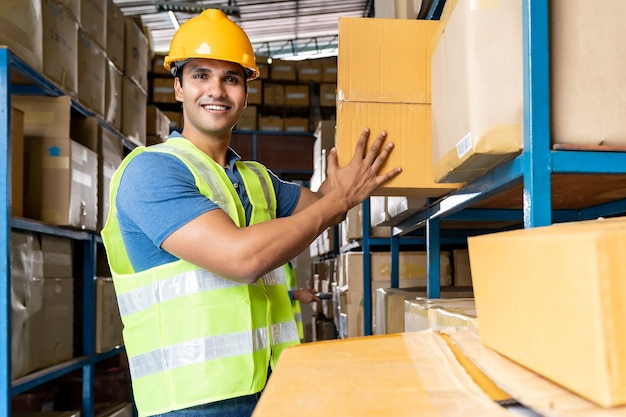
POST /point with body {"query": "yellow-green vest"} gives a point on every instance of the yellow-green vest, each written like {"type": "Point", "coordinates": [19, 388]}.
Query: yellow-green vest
{"type": "Point", "coordinates": [292, 284]}
{"type": "Point", "coordinates": [191, 336]}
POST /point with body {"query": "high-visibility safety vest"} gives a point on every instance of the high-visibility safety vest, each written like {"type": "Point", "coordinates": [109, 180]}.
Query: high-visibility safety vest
{"type": "Point", "coordinates": [292, 284]}
{"type": "Point", "coordinates": [191, 336]}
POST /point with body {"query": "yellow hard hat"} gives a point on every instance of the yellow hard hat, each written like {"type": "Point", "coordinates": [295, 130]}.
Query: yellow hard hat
{"type": "Point", "coordinates": [212, 35]}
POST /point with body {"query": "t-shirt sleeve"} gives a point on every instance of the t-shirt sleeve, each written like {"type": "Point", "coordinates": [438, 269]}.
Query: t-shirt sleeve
{"type": "Point", "coordinates": [287, 195]}
{"type": "Point", "coordinates": [157, 195]}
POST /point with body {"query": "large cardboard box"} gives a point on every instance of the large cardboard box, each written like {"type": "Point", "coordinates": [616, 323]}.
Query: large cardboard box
{"type": "Point", "coordinates": [283, 70]}
{"type": "Point", "coordinates": [17, 162]}
{"type": "Point", "coordinates": [115, 34]}
{"type": "Point", "coordinates": [413, 374]}
{"type": "Point", "coordinates": [248, 119]}
{"type": "Point", "coordinates": [163, 90]}
{"type": "Point", "coordinates": [134, 101]}
{"type": "Point", "coordinates": [113, 87]}
{"type": "Point", "coordinates": [61, 178]}
{"type": "Point", "coordinates": [60, 46]}
{"type": "Point", "coordinates": [21, 30]}
{"type": "Point", "coordinates": [297, 95]}
{"type": "Point", "coordinates": [382, 101]}
{"type": "Point", "coordinates": [310, 70]}
{"type": "Point", "coordinates": [108, 320]}
{"type": "Point", "coordinates": [110, 155]}
{"type": "Point", "coordinates": [45, 115]}
{"type": "Point", "coordinates": [552, 299]}
{"type": "Point", "coordinates": [477, 82]}
{"type": "Point", "coordinates": [157, 122]}
{"type": "Point", "coordinates": [91, 74]}
{"type": "Point", "coordinates": [93, 20]}
{"type": "Point", "coordinates": [135, 53]}
{"type": "Point", "coordinates": [255, 92]}
{"type": "Point", "coordinates": [26, 302]}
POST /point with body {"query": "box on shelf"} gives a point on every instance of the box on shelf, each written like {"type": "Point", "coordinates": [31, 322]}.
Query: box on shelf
{"type": "Point", "coordinates": [176, 119]}
{"type": "Point", "coordinates": [381, 101]}
{"type": "Point", "coordinates": [45, 115]}
{"type": "Point", "coordinates": [134, 112]}
{"type": "Point", "coordinates": [62, 176]}
{"type": "Point", "coordinates": [17, 162]}
{"type": "Point", "coordinates": [264, 68]}
{"type": "Point", "coordinates": [327, 94]}
{"type": "Point", "coordinates": [283, 70]}
{"type": "Point", "coordinates": [309, 70]}
{"type": "Point", "coordinates": [441, 314]}
{"type": "Point", "coordinates": [60, 46]}
{"type": "Point", "coordinates": [21, 30]}
{"type": "Point", "coordinates": [329, 70]}
{"type": "Point", "coordinates": [113, 95]}
{"type": "Point", "coordinates": [158, 61]}
{"type": "Point", "coordinates": [93, 20]}
{"type": "Point", "coordinates": [255, 92]}
{"type": "Point", "coordinates": [461, 268]}
{"type": "Point", "coordinates": [91, 74]}
{"type": "Point", "coordinates": [248, 119]}
{"type": "Point", "coordinates": [135, 53]}
{"type": "Point", "coordinates": [552, 299]}
{"type": "Point", "coordinates": [163, 90]}
{"type": "Point", "coordinates": [273, 94]}
{"type": "Point", "coordinates": [271, 123]}
{"type": "Point", "coordinates": [115, 34]}
{"type": "Point", "coordinates": [110, 155]}
{"type": "Point", "coordinates": [108, 320]}
{"type": "Point", "coordinates": [296, 124]}
{"type": "Point", "coordinates": [157, 122]}
{"type": "Point", "coordinates": [477, 82]}
{"type": "Point", "coordinates": [297, 95]}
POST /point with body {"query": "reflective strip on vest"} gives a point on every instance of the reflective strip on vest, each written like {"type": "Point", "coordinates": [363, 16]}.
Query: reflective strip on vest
{"type": "Point", "coordinates": [266, 192]}
{"type": "Point", "coordinates": [198, 351]}
{"type": "Point", "coordinates": [187, 283]}
{"type": "Point", "coordinates": [298, 316]}
{"type": "Point", "coordinates": [284, 332]}
{"type": "Point", "coordinates": [275, 277]}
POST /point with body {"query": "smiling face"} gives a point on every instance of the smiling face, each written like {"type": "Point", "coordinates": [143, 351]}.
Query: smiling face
{"type": "Point", "coordinates": [213, 94]}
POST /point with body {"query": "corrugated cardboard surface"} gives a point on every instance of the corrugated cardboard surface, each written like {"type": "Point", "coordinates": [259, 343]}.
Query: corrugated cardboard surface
{"type": "Point", "coordinates": [527, 387]}
{"type": "Point", "coordinates": [552, 299]}
{"type": "Point", "coordinates": [21, 30]}
{"type": "Point", "coordinates": [108, 320]}
{"type": "Point", "coordinates": [60, 46]}
{"type": "Point", "coordinates": [376, 65]}
{"type": "Point", "coordinates": [408, 126]}
{"type": "Point", "coordinates": [411, 374]}
{"type": "Point", "coordinates": [476, 88]}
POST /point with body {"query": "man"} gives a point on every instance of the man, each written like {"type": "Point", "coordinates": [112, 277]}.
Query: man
{"type": "Point", "coordinates": [196, 238]}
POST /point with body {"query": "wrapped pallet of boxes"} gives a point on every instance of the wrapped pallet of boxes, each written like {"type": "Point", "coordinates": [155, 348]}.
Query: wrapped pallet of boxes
{"type": "Point", "coordinates": [477, 82]}
{"type": "Point", "coordinates": [372, 52]}
{"type": "Point", "coordinates": [552, 299]}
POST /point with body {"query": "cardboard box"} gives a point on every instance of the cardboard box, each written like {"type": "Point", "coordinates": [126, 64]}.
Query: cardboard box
{"type": "Point", "coordinates": [271, 124]}
{"type": "Point", "coordinates": [26, 302]}
{"type": "Point", "coordinates": [176, 119]}
{"type": "Point", "coordinates": [163, 90]}
{"type": "Point", "coordinates": [91, 74]}
{"type": "Point", "coordinates": [327, 94]}
{"type": "Point", "coordinates": [408, 126]}
{"type": "Point", "coordinates": [113, 87]}
{"type": "Point", "coordinates": [329, 69]}
{"type": "Point", "coordinates": [264, 68]}
{"type": "Point", "coordinates": [283, 70]}
{"type": "Point", "coordinates": [397, 9]}
{"type": "Point", "coordinates": [108, 320]}
{"type": "Point", "coordinates": [248, 119]}
{"type": "Point", "coordinates": [45, 115]}
{"type": "Point", "coordinates": [391, 375]}
{"type": "Point", "coordinates": [62, 178]}
{"type": "Point", "coordinates": [133, 112]}
{"type": "Point", "coordinates": [158, 65]}
{"type": "Point", "coordinates": [478, 82]}
{"type": "Point", "coordinates": [309, 70]}
{"type": "Point", "coordinates": [60, 46]}
{"type": "Point", "coordinates": [296, 124]}
{"type": "Point", "coordinates": [21, 29]}
{"type": "Point", "coordinates": [255, 92]}
{"type": "Point", "coordinates": [110, 155]}
{"type": "Point", "coordinates": [273, 94]}
{"type": "Point", "coordinates": [563, 288]}
{"type": "Point", "coordinates": [135, 53]}
{"type": "Point", "coordinates": [461, 268]}
{"type": "Point", "coordinates": [17, 162]}
{"type": "Point", "coordinates": [115, 34]}
{"type": "Point", "coordinates": [157, 122]}
{"type": "Point", "coordinates": [93, 20]}
{"type": "Point", "coordinates": [297, 95]}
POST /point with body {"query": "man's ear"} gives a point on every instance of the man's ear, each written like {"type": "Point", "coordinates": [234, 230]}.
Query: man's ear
{"type": "Point", "coordinates": [178, 90]}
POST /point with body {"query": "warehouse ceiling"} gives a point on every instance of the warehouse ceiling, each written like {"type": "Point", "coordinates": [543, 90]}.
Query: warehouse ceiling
{"type": "Point", "coordinates": [295, 29]}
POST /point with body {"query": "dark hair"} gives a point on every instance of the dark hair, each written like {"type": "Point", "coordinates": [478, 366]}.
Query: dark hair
{"type": "Point", "coordinates": [179, 74]}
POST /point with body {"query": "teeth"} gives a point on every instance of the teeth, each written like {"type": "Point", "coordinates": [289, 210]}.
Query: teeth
{"type": "Point", "coordinates": [215, 107]}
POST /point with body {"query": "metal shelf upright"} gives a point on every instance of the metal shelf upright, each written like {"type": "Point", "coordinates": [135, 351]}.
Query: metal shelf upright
{"type": "Point", "coordinates": [85, 243]}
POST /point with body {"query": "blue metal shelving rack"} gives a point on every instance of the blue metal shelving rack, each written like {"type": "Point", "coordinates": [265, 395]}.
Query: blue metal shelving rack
{"type": "Point", "coordinates": [87, 240]}
{"type": "Point", "coordinates": [533, 168]}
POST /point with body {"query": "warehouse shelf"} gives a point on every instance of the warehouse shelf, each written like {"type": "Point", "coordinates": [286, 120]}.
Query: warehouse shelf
{"type": "Point", "coordinates": [540, 186]}
{"type": "Point", "coordinates": [18, 77]}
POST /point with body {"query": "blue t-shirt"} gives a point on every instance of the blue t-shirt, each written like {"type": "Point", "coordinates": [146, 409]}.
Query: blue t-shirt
{"type": "Point", "coordinates": [157, 195]}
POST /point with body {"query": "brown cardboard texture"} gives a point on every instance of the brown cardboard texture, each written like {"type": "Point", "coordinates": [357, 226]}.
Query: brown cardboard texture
{"type": "Point", "coordinates": [17, 162]}
{"type": "Point", "coordinates": [60, 46]}
{"type": "Point", "coordinates": [527, 387]}
{"type": "Point", "coordinates": [408, 126]}
{"type": "Point", "coordinates": [372, 55]}
{"type": "Point", "coordinates": [92, 64]}
{"type": "Point", "coordinates": [564, 288]}
{"type": "Point", "coordinates": [411, 374]}
{"type": "Point", "coordinates": [108, 320]}
{"type": "Point", "coordinates": [115, 35]}
{"type": "Point", "coordinates": [45, 116]}
{"type": "Point", "coordinates": [21, 30]}
{"type": "Point", "coordinates": [476, 92]}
